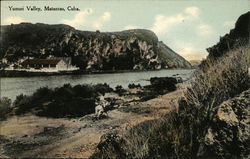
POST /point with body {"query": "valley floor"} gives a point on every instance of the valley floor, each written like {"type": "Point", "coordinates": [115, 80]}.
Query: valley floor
{"type": "Point", "coordinates": [33, 136]}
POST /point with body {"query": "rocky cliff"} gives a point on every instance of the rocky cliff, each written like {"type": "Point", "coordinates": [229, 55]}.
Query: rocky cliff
{"type": "Point", "coordinates": [126, 50]}
{"type": "Point", "coordinates": [237, 37]}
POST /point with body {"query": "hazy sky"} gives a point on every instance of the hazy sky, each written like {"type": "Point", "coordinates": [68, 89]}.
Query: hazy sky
{"type": "Point", "coordinates": [188, 27]}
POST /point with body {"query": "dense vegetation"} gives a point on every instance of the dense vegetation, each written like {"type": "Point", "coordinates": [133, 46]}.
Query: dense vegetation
{"type": "Point", "coordinates": [66, 101]}
{"type": "Point", "coordinates": [79, 100]}
{"type": "Point", "coordinates": [5, 107]}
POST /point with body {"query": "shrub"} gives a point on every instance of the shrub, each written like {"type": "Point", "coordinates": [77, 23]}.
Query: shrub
{"type": "Point", "coordinates": [23, 104]}
{"type": "Point", "coordinates": [131, 144]}
{"type": "Point", "coordinates": [74, 107]}
{"type": "Point", "coordinates": [132, 86]}
{"type": "Point", "coordinates": [159, 138]}
{"type": "Point", "coordinates": [119, 90]}
{"type": "Point", "coordinates": [164, 83]}
{"type": "Point", "coordinates": [42, 94]}
{"type": "Point", "coordinates": [102, 88]}
{"type": "Point", "coordinates": [5, 107]}
{"type": "Point", "coordinates": [65, 101]}
{"type": "Point", "coordinates": [220, 79]}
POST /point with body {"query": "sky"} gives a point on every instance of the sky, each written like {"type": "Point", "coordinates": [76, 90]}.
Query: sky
{"type": "Point", "coordinates": [188, 27]}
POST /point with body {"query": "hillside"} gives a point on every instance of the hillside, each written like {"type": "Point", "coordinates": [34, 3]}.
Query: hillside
{"type": "Point", "coordinates": [236, 38]}
{"type": "Point", "coordinates": [137, 49]}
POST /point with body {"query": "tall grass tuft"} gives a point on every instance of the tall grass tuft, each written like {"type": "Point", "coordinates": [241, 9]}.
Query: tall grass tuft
{"type": "Point", "coordinates": [220, 79]}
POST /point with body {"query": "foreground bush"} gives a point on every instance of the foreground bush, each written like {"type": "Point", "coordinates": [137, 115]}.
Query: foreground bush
{"type": "Point", "coordinates": [220, 79]}
{"type": "Point", "coordinates": [66, 101]}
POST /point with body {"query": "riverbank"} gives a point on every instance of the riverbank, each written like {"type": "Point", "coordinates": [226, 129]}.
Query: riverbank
{"type": "Point", "coordinates": [18, 73]}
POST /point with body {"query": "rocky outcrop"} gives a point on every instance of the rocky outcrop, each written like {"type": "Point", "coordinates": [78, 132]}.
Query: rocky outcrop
{"type": "Point", "coordinates": [137, 49]}
{"type": "Point", "coordinates": [111, 145]}
{"type": "Point", "coordinates": [237, 37]}
{"type": "Point", "coordinates": [164, 83]}
{"type": "Point", "coordinates": [228, 136]}
{"type": "Point", "coordinates": [159, 86]}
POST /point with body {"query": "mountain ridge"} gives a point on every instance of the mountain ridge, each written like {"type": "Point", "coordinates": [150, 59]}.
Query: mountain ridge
{"type": "Point", "coordinates": [137, 49]}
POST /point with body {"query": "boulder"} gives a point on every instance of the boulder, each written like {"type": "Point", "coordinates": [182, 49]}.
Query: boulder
{"type": "Point", "coordinates": [228, 135]}
{"type": "Point", "coordinates": [110, 146]}
{"type": "Point", "coordinates": [161, 83]}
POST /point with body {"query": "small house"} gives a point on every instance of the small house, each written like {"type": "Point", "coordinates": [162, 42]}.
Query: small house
{"type": "Point", "coordinates": [54, 64]}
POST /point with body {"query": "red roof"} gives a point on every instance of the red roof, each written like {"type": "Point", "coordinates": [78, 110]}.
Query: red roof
{"type": "Point", "coordinates": [41, 61]}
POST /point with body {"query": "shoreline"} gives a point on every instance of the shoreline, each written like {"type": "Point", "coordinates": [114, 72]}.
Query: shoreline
{"type": "Point", "coordinates": [15, 73]}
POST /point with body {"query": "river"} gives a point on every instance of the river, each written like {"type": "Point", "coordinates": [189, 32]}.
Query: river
{"type": "Point", "coordinates": [11, 87]}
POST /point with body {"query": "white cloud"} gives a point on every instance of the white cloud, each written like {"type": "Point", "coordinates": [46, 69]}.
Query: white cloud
{"type": "Point", "coordinates": [188, 50]}
{"type": "Point", "coordinates": [204, 30]}
{"type": "Point", "coordinates": [130, 27]}
{"type": "Point", "coordinates": [229, 24]}
{"type": "Point", "coordinates": [79, 19]}
{"type": "Point", "coordinates": [98, 23]}
{"type": "Point", "coordinates": [106, 16]}
{"type": "Point", "coordinates": [193, 11]}
{"type": "Point", "coordinates": [163, 24]}
{"type": "Point", "coordinates": [88, 20]}
{"type": "Point", "coordinates": [13, 20]}
{"type": "Point", "coordinates": [189, 53]}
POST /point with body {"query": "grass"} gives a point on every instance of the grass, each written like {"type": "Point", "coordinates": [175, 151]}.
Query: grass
{"type": "Point", "coordinates": [219, 80]}
{"type": "Point", "coordinates": [159, 138]}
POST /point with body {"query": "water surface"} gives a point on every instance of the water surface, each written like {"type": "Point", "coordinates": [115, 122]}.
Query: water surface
{"type": "Point", "coordinates": [11, 87]}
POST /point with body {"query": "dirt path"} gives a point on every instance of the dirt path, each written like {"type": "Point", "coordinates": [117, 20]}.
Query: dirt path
{"type": "Point", "coordinates": [32, 136]}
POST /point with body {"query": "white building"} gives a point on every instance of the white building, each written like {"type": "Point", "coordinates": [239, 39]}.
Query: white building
{"type": "Point", "coordinates": [45, 64]}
